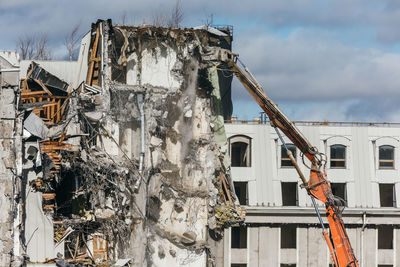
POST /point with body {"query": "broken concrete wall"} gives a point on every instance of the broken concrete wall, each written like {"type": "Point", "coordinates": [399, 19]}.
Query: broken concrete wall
{"type": "Point", "coordinates": [169, 78]}
{"type": "Point", "coordinates": [8, 158]}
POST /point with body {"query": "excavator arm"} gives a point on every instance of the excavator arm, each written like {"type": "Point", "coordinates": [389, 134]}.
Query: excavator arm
{"type": "Point", "coordinates": [318, 186]}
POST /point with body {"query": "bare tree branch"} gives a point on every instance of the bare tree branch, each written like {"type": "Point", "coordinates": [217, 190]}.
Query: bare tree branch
{"type": "Point", "coordinates": [209, 20]}
{"type": "Point", "coordinates": [42, 48]}
{"type": "Point", "coordinates": [159, 20]}
{"type": "Point", "coordinates": [71, 41]}
{"type": "Point", "coordinates": [25, 47]}
{"type": "Point", "coordinates": [34, 47]}
{"type": "Point", "coordinates": [123, 18]}
{"type": "Point", "coordinates": [172, 20]}
{"type": "Point", "coordinates": [176, 15]}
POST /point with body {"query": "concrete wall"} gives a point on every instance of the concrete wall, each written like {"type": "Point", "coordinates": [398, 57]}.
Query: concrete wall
{"type": "Point", "coordinates": [6, 175]}
{"type": "Point", "coordinates": [8, 160]}
{"type": "Point", "coordinates": [182, 151]}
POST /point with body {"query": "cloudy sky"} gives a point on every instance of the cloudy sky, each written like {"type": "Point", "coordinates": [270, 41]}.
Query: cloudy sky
{"type": "Point", "coordinates": [335, 60]}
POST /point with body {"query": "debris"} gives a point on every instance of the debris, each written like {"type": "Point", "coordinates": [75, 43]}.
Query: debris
{"type": "Point", "coordinates": [36, 126]}
{"type": "Point", "coordinates": [122, 262]}
{"type": "Point", "coordinates": [189, 238]}
{"type": "Point", "coordinates": [36, 72]}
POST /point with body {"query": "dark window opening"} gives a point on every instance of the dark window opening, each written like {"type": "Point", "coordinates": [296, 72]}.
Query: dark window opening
{"type": "Point", "coordinates": [385, 237]}
{"type": "Point", "coordinates": [289, 194]}
{"type": "Point", "coordinates": [285, 160]}
{"type": "Point", "coordinates": [385, 265]}
{"type": "Point", "coordinates": [339, 190]}
{"type": "Point", "coordinates": [241, 192]}
{"type": "Point", "coordinates": [288, 265]}
{"type": "Point", "coordinates": [66, 201]}
{"type": "Point", "coordinates": [386, 157]}
{"type": "Point", "coordinates": [239, 154]}
{"type": "Point", "coordinates": [288, 236]}
{"type": "Point", "coordinates": [238, 265]}
{"type": "Point", "coordinates": [387, 195]}
{"type": "Point", "coordinates": [239, 237]}
{"type": "Point", "coordinates": [240, 149]}
{"type": "Point", "coordinates": [338, 156]}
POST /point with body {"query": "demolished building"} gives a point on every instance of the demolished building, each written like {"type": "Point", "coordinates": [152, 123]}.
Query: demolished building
{"type": "Point", "coordinates": [121, 157]}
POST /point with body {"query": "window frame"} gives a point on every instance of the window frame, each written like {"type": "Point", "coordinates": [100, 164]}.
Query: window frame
{"type": "Point", "coordinates": [344, 184]}
{"type": "Point", "coordinates": [241, 139]}
{"type": "Point", "coordinates": [239, 185]}
{"type": "Point", "coordinates": [338, 160]}
{"type": "Point", "coordinates": [243, 233]}
{"type": "Point", "coordinates": [289, 146]}
{"type": "Point", "coordinates": [394, 202]}
{"type": "Point", "coordinates": [382, 238]}
{"type": "Point", "coordinates": [386, 160]}
{"type": "Point", "coordinates": [284, 228]}
{"type": "Point", "coordinates": [296, 192]}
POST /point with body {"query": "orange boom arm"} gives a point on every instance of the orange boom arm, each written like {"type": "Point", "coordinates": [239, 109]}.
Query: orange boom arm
{"type": "Point", "coordinates": [318, 186]}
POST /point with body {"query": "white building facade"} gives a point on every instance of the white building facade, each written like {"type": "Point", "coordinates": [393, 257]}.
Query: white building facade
{"type": "Point", "coordinates": [282, 229]}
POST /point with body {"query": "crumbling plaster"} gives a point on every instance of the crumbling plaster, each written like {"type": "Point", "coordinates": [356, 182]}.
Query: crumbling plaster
{"type": "Point", "coordinates": [182, 153]}
{"type": "Point", "coordinates": [8, 154]}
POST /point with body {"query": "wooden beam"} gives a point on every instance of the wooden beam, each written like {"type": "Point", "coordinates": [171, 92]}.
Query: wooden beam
{"type": "Point", "coordinates": [43, 86]}
{"type": "Point", "coordinates": [89, 75]}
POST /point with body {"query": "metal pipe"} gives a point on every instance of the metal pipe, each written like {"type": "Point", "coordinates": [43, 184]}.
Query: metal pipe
{"type": "Point", "coordinates": [140, 100]}
{"type": "Point", "coordinates": [318, 214]}
{"type": "Point", "coordinates": [102, 55]}
{"type": "Point", "coordinates": [362, 238]}
{"type": "Point", "coordinates": [16, 202]}
{"type": "Point", "coordinates": [10, 70]}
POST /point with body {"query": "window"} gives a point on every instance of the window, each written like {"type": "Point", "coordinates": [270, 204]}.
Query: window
{"type": "Point", "coordinates": [338, 156]}
{"type": "Point", "coordinates": [239, 237]}
{"type": "Point", "coordinates": [339, 190]}
{"type": "Point", "coordinates": [288, 236]}
{"type": "Point", "coordinates": [241, 192]}
{"type": "Point", "coordinates": [289, 194]}
{"type": "Point", "coordinates": [285, 160]}
{"type": "Point", "coordinates": [240, 147]}
{"type": "Point", "coordinates": [238, 265]}
{"type": "Point", "coordinates": [385, 237]}
{"type": "Point", "coordinates": [387, 195]}
{"type": "Point", "coordinates": [288, 265]}
{"type": "Point", "coordinates": [386, 157]}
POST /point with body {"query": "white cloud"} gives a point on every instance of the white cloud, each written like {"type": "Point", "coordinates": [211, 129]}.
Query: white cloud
{"type": "Point", "coordinates": [322, 79]}
{"type": "Point", "coordinates": [305, 69]}
{"type": "Point", "coordinates": [321, 60]}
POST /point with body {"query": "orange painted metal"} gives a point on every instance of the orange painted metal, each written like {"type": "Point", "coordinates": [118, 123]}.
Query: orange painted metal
{"type": "Point", "coordinates": [100, 247]}
{"type": "Point", "coordinates": [93, 69]}
{"type": "Point", "coordinates": [317, 186]}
